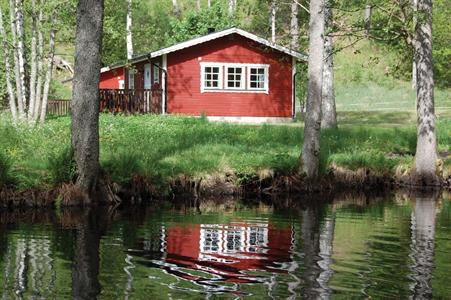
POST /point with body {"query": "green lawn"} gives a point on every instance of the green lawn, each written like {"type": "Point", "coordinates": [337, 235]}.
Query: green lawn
{"type": "Point", "coordinates": [164, 148]}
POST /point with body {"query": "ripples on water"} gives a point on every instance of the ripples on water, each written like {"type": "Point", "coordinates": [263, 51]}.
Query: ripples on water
{"type": "Point", "coordinates": [356, 247]}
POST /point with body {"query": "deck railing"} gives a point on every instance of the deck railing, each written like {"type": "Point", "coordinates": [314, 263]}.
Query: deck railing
{"type": "Point", "coordinates": [131, 101]}
{"type": "Point", "coordinates": [58, 107]}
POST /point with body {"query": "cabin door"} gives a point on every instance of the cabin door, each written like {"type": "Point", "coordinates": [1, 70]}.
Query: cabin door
{"type": "Point", "coordinates": [147, 82]}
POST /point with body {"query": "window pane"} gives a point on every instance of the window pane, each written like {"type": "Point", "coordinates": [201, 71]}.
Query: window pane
{"type": "Point", "coordinates": [208, 70]}
{"type": "Point", "coordinates": [216, 70]}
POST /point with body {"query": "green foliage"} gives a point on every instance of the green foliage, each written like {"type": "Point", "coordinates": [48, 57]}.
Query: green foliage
{"type": "Point", "coordinates": [441, 43]}
{"type": "Point", "coordinates": [62, 167]}
{"type": "Point", "coordinates": [195, 23]}
{"type": "Point", "coordinates": [122, 164]}
{"type": "Point", "coordinates": [6, 178]}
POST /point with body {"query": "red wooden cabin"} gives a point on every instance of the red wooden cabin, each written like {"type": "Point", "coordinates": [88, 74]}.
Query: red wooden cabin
{"type": "Point", "coordinates": [227, 75]}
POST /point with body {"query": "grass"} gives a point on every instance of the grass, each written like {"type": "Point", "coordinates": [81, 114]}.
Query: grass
{"type": "Point", "coordinates": [164, 148]}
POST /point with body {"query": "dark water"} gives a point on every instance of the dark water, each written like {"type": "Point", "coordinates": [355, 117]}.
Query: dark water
{"type": "Point", "coordinates": [354, 247]}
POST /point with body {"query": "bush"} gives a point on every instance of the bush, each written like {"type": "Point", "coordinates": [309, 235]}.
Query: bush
{"type": "Point", "coordinates": [5, 170]}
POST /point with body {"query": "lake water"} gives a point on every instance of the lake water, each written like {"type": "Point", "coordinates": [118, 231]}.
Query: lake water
{"type": "Point", "coordinates": [395, 247]}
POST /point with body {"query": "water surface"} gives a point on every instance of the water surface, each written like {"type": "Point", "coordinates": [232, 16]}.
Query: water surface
{"type": "Point", "coordinates": [391, 247]}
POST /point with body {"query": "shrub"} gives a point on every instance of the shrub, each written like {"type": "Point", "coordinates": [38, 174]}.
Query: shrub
{"type": "Point", "coordinates": [62, 166]}
{"type": "Point", "coordinates": [5, 170]}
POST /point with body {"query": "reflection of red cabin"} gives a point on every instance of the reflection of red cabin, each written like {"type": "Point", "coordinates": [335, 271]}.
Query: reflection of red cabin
{"type": "Point", "coordinates": [227, 75]}
{"type": "Point", "coordinates": [227, 250]}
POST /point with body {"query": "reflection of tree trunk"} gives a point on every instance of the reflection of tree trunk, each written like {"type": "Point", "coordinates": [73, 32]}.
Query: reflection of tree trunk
{"type": "Point", "coordinates": [311, 248]}
{"type": "Point", "coordinates": [326, 239]}
{"type": "Point", "coordinates": [85, 283]}
{"type": "Point", "coordinates": [422, 246]}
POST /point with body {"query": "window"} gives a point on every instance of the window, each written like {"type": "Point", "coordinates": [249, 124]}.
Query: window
{"type": "Point", "coordinates": [212, 77]}
{"type": "Point", "coordinates": [131, 79]}
{"type": "Point", "coordinates": [235, 78]}
{"type": "Point", "coordinates": [156, 73]}
{"type": "Point", "coordinates": [258, 78]}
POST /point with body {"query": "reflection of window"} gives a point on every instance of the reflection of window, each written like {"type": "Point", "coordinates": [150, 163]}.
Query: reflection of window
{"type": "Point", "coordinates": [212, 78]}
{"type": "Point", "coordinates": [258, 78]}
{"type": "Point", "coordinates": [211, 240]}
{"type": "Point", "coordinates": [257, 239]}
{"type": "Point", "coordinates": [233, 240]}
{"type": "Point", "coordinates": [131, 79]}
{"type": "Point", "coordinates": [235, 77]}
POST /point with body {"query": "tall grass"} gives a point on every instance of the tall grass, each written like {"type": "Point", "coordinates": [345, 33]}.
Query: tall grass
{"type": "Point", "coordinates": [163, 148]}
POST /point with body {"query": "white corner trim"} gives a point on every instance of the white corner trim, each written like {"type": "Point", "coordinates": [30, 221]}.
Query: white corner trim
{"type": "Point", "coordinates": [250, 120]}
{"type": "Point", "coordinates": [293, 87]}
{"type": "Point", "coordinates": [164, 83]}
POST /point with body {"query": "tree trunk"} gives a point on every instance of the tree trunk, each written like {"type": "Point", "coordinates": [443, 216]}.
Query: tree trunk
{"type": "Point", "coordinates": [209, 3]}
{"type": "Point", "coordinates": [414, 65]}
{"type": "Point", "coordinates": [20, 106]}
{"type": "Point", "coordinates": [9, 87]}
{"type": "Point", "coordinates": [231, 8]}
{"type": "Point", "coordinates": [85, 104]}
{"type": "Point", "coordinates": [48, 75]}
{"type": "Point", "coordinates": [294, 27]}
{"type": "Point", "coordinates": [273, 21]}
{"type": "Point", "coordinates": [198, 6]}
{"type": "Point", "coordinates": [426, 152]}
{"type": "Point", "coordinates": [312, 128]}
{"type": "Point", "coordinates": [129, 30]}
{"type": "Point", "coordinates": [329, 112]}
{"type": "Point", "coordinates": [20, 53]}
{"type": "Point", "coordinates": [37, 107]}
{"type": "Point", "coordinates": [176, 8]}
{"type": "Point", "coordinates": [367, 19]}
{"type": "Point", "coordinates": [32, 100]}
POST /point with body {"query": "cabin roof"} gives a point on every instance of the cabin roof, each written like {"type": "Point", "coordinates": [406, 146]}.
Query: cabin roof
{"type": "Point", "coordinates": [211, 37]}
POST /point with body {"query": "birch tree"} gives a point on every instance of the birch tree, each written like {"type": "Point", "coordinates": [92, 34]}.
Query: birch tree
{"type": "Point", "coordinates": [129, 30]}
{"type": "Point", "coordinates": [329, 112]}
{"type": "Point", "coordinates": [426, 152]}
{"type": "Point", "coordinates": [273, 20]}
{"type": "Point", "coordinates": [37, 105]}
{"type": "Point", "coordinates": [33, 74]}
{"type": "Point", "coordinates": [176, 8]}
{"type": "Point", "coordinates": [312, 128]}
{"type": "Point", "coordinates": [85, 105]}
{"type": "Point", "coordinates": [231, 7]}
{"type": "Point", "coordinates": [48, 75]}
{"type": "Point", "coordinates": [20, 55]}
{"type": "Point", "coordinates": [294, 26]}
{"type": "Point", "coordinates": [367, 18]}
{"type": "Point", "coordinates": [6, 62]}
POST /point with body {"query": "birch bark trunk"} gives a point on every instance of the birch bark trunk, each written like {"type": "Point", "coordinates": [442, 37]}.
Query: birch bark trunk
{"type": "Point", "coordinates": [176, 8]}
{"type": "Point", "coordinates": [231, 7]}
{"type": "Point", "coordinates": [48, 75]}
{"type": "Point", "coordinates": [294, 26]}
{"type": "Point", "coordinates": [129, 30]}
{"type": "Point", "coordinates": [37, 107]}
{"type": "Point", "coordinates": [20, 107]}
{"type": "Point", "coordinates": [426, 152]}
{"type": "Point", "coordinates": [273, 21]}
{"type": "Point", "coordinates": [312, 130]}
{"type": "Point", "coordinates": [20, 53]}
{"type": "Point", "coordinates": [9, 87]}
{"type": "Point", "coordinates": [85, 106]}
{"type": "Point", "coordinates": [32, 100]}
{"type": "Point", "coordinates": [329, 112]}
{"type": "Point", "coordinates": [367, 19]}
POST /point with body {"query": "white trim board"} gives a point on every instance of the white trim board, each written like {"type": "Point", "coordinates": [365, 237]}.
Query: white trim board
{"type": "Point", "coordinates": [250, 120]}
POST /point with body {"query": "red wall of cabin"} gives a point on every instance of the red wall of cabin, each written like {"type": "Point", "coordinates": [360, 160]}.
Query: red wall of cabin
{"type": "Point", "coordinates": [184, 91]}
{"type": "Point", "coordinates": [110, 79]}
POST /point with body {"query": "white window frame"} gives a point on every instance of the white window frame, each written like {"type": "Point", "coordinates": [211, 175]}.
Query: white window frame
{"type": "Point", "coordinates": [223, 74]}
{"type": "Point", "coordinates": [226, 77]}
{"type": "Point", "coordinates": [266, 81]}
{"type": "Point", "coordinates": [156, 74]}
{"type": "Point", "coordinates": [203, 66]}
{"type": "Point", "coordinates": [131, 79]}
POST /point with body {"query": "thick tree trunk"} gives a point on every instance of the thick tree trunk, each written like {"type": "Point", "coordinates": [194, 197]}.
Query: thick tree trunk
{"type": "Point", "coordinates": [367, 19]}
{"type": "Point", "coordinates": [273, 21]}
{"type": "Point", "coordinates": [129, 30]}
{"type": "Point", "coordinates": [312, 129]}
{"type": "Point", "coordinates": [426, 152]}
{"type": "Point", "coordinates": [21, 53]}
{"type": "Point", "coordinates": [414, 65]}
{"type": "Point", "coordinates": [9, 87]}
{"type": "Point", "coordinates": [85, 105]}
{"type": "Point", "coordinates": [294, 26]}
{"type": "Point", "coordinates": [48, 75]}
{"type": "Point", "coordinates": [329, 112]}
{"type": "Point", "coordinates": [12, 16]}
{"type": "Point", "coordinates": [32, 100]}
{"type": "Point", "coordinates": [37, 107]}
